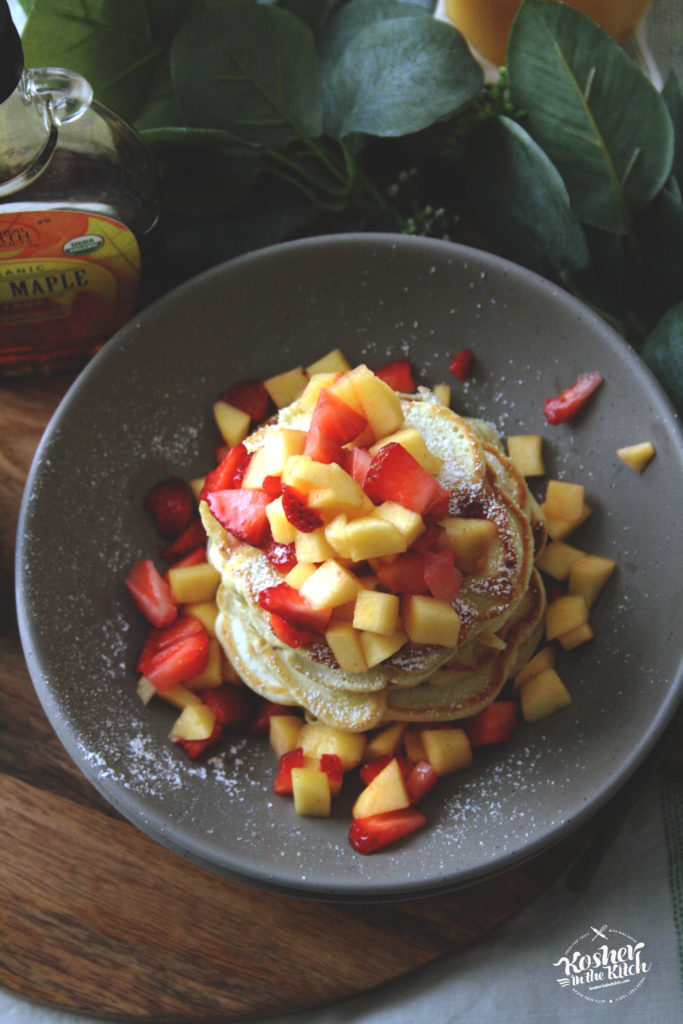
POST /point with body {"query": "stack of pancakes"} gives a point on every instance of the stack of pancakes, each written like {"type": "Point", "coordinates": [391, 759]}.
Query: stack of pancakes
{"type": "Point", "coordinates": [501, 607]}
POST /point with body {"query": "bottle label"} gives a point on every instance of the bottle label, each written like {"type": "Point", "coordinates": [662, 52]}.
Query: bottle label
{"type": "Point", "coordinates": [65, 275]}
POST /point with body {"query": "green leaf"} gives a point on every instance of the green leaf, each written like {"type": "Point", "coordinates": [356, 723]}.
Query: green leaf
{"type": "Point", "coordinates": [353, 17]}
{"type": "Point", "coordinates": [117, 46]}
{"type": "Point", "coordinates": [518, 196]}
{"type": "Point", "coordinates": [663, 353]}
{"type": "Point", "coordinates": [595, 113]}
{"type": "Point", "coordinates": [250, 69]}
{"type": "Point", "coordinates": [398, 76]}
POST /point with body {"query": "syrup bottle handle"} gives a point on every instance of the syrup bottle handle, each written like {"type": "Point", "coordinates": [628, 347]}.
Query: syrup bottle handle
{"type": "Point", "coordinates": [67, 94]}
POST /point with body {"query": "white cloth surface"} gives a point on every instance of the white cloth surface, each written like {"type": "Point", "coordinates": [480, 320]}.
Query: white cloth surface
{"type": "Point", "coordinates": [510, 975]}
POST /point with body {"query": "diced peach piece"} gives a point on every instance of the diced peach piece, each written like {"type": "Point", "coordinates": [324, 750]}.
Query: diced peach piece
{"type": "Point", "coordinates": [256, 471]}
{"type": "Point", "coordinates": [543, 659]}
{"type": "Point", "coordinates": [283, 732]}
{"type": "Point", "coordinates": [564, 500]}
{"type": "Point", "coordinates": [386, 792]}
{"type": "Point", "coordinates": [333, 362]}
{"type": "Point", "coordinates": [411, 439]}
{"type": "Point", "coordinates": [298, 574]}
{"type": "Point", "coordinates": [330, 585]}
{"type": "Point", "coordinates": [428, 621]}
{"type": "Point", "coordinates": [588, 576]}
{"type": "Point", "coordinates": [311, 792]}
{"type": "Point", "coordinates": [413, 745]}
{"type": "Point", "coordinates": [637, 456]}
{"type": "Point", "coordinates": [213, 673]}
{"type": "Point", "coordinates": [526, 454]}
{"type": "Point", "coordinates": [373, 537]}
{"type": "Point", "coordinates": [448, 750]}
{"type": "Point", "coordinates": [232, 422]}
{"type": "Point", "coordinates": [442, 393]}
{"type": "Point", "coordinates": [557, 558]}
{"type": "Point", "coordinates": [344, 642]}
{"type": "Point", "coordinates": [312, 547]}
{"type": "Point", "coordinates": [408, 523]}
{"type": "Point", "coordinates": [146, 690]}
{"type": "Point", "coordinates": [470, 541]}
{"type": "Point", "coordinates": [180, 697]}
{"type": "Point", "coordinates": [205, 611]}
{"type": "Point", "coordinates": [563, 614]}
{"type": "Point", "coordinates": [317, 381]}
{"type": "Point", "coordinates": [283, 532]}
{"type": "Point", "coordinates": [285, 388]}
{"type": "Point", "coordinates": [376, 612]}
{"type": "Point", "coordinates": [543, 695]}
{"type": "Point", "coordinates": [377, 647]}
{"type": "Point", "coordinates": [195, 722]}
{"type": "Point", "coordinates": [279, 445]}
{"type": "Point", "coordinates": [574, 637]}
{"type": "Point", "coordinates": [316, 739]}
{"type": "Point", "coordinates": [379, 403]}
{"type": "Point", "coordinates": [344, 496]}
{"type": "Point", "coordinates": [487, 638]}
{"type": "Point", "coordinates": [560, 529]}
{"type": "Point", "coordinates": [386, 741]}
{"type": "Point", "coordinates": [335, 534]}
{"type": "Point", "coordinates": [196, 486]}
{"type": "Point", "coordinates": [193, 583]}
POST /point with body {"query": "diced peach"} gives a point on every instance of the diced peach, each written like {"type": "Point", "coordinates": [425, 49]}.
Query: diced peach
{"type": "Point", "coordinates": [543, 695]}
{"type": "Point", "coordinates": [560, 529]}
{"type": "Point", "coordinates": [206, 612]}
{"type": "Point", "coordinates": [376, 611]}
{"type": "Point", "coordinates": [574, 637]}
{"type": "Point", "coordinates": [193, 583]}
{"type": "Point", "coordinates": [588, 576]}
{"type": "Point", "coordinates": [557, 558]}
{"type": "Point", "coordinates": [312, 547]}
{"type": "Point", "coordinates": [413, 745]}
{"type": "Point", "coordinates": [285, 388]}
{"type": "Point", "coordinates": [298, 574]}
{"type": "Point", "coordinates": [543, 659]}
{"type": "Point", "coordinates": [279, 445]}
{"type": "Point", "coordinates": [408, 523]}
{"type": "Point", "coordinates": [373, 537]}
{"type": "Point", "coordinates": [330, 585]}
{"type": "Point", "coordinates": [378, 402]}
{"type": "Point", "coordinates": [284, 731]}
{"type": "Point", "coordinates": [213, 674]}
{"type": "Point", "coordinates": [232, 422]}
{"type": "Point", "coordinates": [526, 454]}
{"type": "Point", "coordinates": [442, 393]}
{"type": "Point", "coordinates": [470, 541]}
{"type": "Point", "coordinates": [637, 456]}
{"type": "Point", "coordinates": [311, 792]}
{"type": "Point", "coordinates": [411, 439]}
{"type": "Point", "coordinates": [317, 739]}
{"type": "Point", "coordinates": [377, 647]}
{"type": "Point", "coordinates": [344, 642]}
{"type": "Point", "coordinates": [448, 750]}
{"type": "Point", "coordinates": [564, 500]}
{"type": "Point", "coordinates": [563, 614]}
{"type": "Point", "coordinates": [428, 621]}
{"type": "Point", "coordinates": [386, 741]}
{"type": "Point", "coordinates": [283, 532]}
{"type": "Point", "coordinates": [195, 722]}
{"type": "Point", "coordinates": [386, 792]}
{"type": "Point", "coordinates": [332, 362]}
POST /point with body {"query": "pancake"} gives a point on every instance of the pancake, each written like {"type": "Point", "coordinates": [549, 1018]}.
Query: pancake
{"type": "Point", "coordinates": [501, 604]}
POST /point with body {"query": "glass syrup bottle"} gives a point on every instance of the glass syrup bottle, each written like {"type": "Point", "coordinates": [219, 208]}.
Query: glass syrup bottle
{"type": "Point", "coordinates": [78, 200]}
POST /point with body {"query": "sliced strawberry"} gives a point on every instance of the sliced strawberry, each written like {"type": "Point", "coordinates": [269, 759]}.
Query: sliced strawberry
{"type": "Point", "coordinates": [297, 512]}
{"type": "Point", "coordinates": [272, 485]}
{"type": "Point", "coordinates": [372, 768]}
{"type": "Point", "coordinates": [398, 375]}
{"type": "Point", "coordinates": [421, 781]}
{"type": "Point", "coordinates": [251, 397]}
{"type": "Point", "coordinates": [151, 593]}
{"type": "Point", "coordinates": [230, 704]}
{"type": "Point", "coordinates": [281, 556]}
{"type": "Point", "coordinates": [461, 363]}
{"type": "Point", "coordinates": [174, 654]}
{"type": "Point", "coordinates": [566, 405]}
{"type": "Point", "coordinates": [170, 504]}
{"type": "Point", "coordinates": [374, 832]}
{"type": "Point", "coordinates": [193, 537]}
{"type": "Point", "coordinates": [403, 575]}
{"type": "Point", "coordinates": [335, 419]}
{"type": "Point", "coordinates": [223, 476]}
{"type": "Point", "coordinates": [195, 557]}
{"type": "Point", "coordinates": [495, 724]}
{"type": "Point", "coordinates": [358, 464]}
{"type": "Point", "coordinates": [433, 538]}
{"type": "Point", "coordinates": [331, 764]}
{"type": "Point", "coordinates": [220, 451]}
{"type": "Point", "coordinates": [394, 475]}
{"type": "Point", "coordinates": [321, 448]}
{"type": "Point", "coordinates": [243, 513]}
{"type": "Point", "coordinates": [288, 603]}
{"type": "Point", "coordinates": [283, 779]}
{"type": "Point", "coordinates": [195, 748]}
{"type": "Point", "coordinates": [440, 506]}
{"type": "Point", "coordinates": [265, 709]}
{"type": "Point", "coordinates": [293, 636]}
{"type": "Point", "coordinates": [441, 575]}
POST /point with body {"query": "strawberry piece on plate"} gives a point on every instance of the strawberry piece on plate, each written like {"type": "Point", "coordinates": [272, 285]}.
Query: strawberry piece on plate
{"type": "Point", "coordinates": [566, 405]}
{"type": "Point", "coordinates": [461, 363]}
{"type": "Point", "coordinates": [398, 375]}
{"type": "Point", "coordinates": [405, 574]}
{"type": "Point", "coordinates": [293, 636]}
{"type": "Point", "coordinates": [359, 462]}
{"type": "Point", "coordinates": [193, 537]}
{"type": "Point", "coordinates": [331, 764]}
{"type": "Point", "coordinates": [174, 654]}
{"type": "Point", "coordinates": [281, 556]}
{"type": "Point", "coordinates": [297, 512]}
{"type": "Point", "coordinates": [421, 781]}
{"type": "Point", "coordinates": [441, 575]}
{"type": "Point", "coordinates": [283, 779]}
{"type": "Point", "coordinates": [336, 419]}
{"type": "Point", "coordinates": [265, 709]}
{"type": "Point", "coordinates": [243, 513]}
{"type": "Point", "coordinates": [170, 504]}
{"type": "Point", "coordinates": [288, 603]}
{"type": "Point", "coordinates": [374, 832]}
{"type": "Point", "coordinates": [439, 508]}
{"type": "Point", "coordinates": [322, 448]}
{"type": "Point", "coordinates": [230, 704]}
{"type": "Point", "coordinates": [272, 485]}
{"type": "Point", "coordinates": [372, 768]}
{"type": "Point", "coordinates": [494, 724]}
{"type": "Point", "coordinates": [195, 748]}
{"type": "Point", "coordinates": [251, 397]}
{"type": "Point", "coordinates": [224, 475]}
{"type": "Point", "coordinates": [195, 557]}
{"type": "Point", "coordinates": [151, 593]}
{"type": "Point", "coordinates": [394, 475]}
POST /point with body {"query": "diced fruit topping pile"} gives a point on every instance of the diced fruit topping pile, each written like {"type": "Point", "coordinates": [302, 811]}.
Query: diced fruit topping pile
{"type": "Point", "coordinates": [351, 514]}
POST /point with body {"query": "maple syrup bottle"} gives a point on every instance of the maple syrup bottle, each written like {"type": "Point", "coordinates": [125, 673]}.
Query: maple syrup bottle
{"type": "Point", "coordinates": [78, 200]}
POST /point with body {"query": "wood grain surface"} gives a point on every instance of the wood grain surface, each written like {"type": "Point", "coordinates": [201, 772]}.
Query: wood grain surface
{"type": "Point", "coordinates": [96, 917]}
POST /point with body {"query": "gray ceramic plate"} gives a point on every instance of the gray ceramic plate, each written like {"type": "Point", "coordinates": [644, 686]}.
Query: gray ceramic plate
{"type": "Point", "coordinates": [142, 410]}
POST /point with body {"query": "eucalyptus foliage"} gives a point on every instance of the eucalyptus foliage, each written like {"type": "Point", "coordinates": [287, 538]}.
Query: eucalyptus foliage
{"type": "Point", "coordinates": [272, 119]}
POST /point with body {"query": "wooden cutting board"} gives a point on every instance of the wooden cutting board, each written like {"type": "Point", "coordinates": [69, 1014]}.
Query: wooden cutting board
{"type": "Point", "coordinates": [96, 917]}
